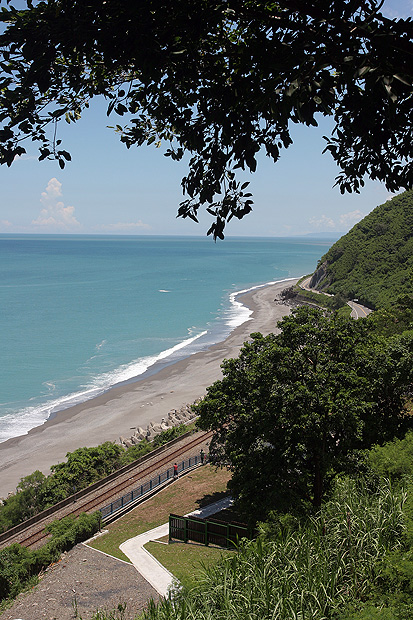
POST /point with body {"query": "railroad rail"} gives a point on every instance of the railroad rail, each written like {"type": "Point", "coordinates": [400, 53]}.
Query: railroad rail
{"type": "Point", "coordinates": [31, 533]}
{"type": "Point", "coordinates": [145, 490]}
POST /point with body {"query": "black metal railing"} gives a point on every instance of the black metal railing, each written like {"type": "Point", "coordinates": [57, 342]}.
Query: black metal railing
{"type": "Point", "coordinates": [148, 486]}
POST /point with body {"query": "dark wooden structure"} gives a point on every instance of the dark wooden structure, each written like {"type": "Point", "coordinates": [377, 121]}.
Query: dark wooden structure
{"type": "Point", "coordinates": [206, 531]}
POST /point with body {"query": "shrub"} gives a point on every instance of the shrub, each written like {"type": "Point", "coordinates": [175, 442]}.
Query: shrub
{"type": "Point", "coordinates": [19, 566]}
{"type": "Point", "coordinates": [311, 571]}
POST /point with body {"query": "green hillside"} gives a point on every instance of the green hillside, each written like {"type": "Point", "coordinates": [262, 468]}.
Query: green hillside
{"type": "Point", "coordinates": [374, 261]}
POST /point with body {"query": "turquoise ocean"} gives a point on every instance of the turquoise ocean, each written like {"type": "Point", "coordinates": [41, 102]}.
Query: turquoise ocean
{"type": "Point", "coordinates": [80, 314]}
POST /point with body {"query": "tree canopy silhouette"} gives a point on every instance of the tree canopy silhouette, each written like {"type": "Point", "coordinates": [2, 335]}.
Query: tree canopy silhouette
{"type": "Point", "coordinates": [218, 79]}
{"type": "Point", "coordinates": [293, 410]}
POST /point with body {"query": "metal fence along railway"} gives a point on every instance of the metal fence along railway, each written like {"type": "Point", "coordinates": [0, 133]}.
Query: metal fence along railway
{"type": "Point", "coordinates": [31, 533]}
{"type": "Point", "coordinates": [149, 486]}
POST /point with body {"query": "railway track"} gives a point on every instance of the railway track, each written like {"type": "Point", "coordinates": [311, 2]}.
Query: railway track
{"type": "Point", "coordinates": [107, 490]}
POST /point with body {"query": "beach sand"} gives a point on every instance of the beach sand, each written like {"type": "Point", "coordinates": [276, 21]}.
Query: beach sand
{"type": "Point", "coordinates": [120, 410]}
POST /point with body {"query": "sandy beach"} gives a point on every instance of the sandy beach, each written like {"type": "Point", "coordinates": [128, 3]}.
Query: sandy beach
{"type": "Point", "coordinates": [120, 410]}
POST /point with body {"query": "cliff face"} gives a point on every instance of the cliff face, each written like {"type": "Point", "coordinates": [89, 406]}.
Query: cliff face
{"type": "Point", "coordinates": [319, 279]}
{"type": "Point", "coordinates": [374, 261]}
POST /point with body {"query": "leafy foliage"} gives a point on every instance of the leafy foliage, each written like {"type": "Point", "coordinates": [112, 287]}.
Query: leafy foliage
{"type": "Point", "coordinates": [82, 468]}
{"type": "Point", "coordinates": [313, 572]}
{"type": "Point", "coordinates": [115, 614]}
{"type": "Point", "coordinates": [295, 408]}
{"type": "Point", "coordinates": [144, 446]}
{"type": "Point", "coordinates": [169, 434]}
{"type": "Point", "coordinates": [374, 263]}
{"type": "Point", "coordinates": [37, 492]}
{"type": "Point", "coordinates": [219, 80]}
{"type": "Point", "coordinates": [394, 459]}
{"type": "Point", "coordinates": [19, 567]}
{"type": "Point", "coordinates": [136, 451]}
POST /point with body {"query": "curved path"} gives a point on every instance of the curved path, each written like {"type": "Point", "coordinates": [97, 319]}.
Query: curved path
{"type": "Point", "coordinates": [357, 310]}
{"type": "Point", "coordinates": [157, 575]}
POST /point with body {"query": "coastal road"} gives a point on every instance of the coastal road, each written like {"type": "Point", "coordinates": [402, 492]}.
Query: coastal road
{"type": "Point", "coordinates": [357, 310]}
{"type": "Point", "coordinates": [305, 284]}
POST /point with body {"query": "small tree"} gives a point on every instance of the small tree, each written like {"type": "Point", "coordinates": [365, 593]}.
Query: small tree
{"type": "Point", "coordinates": [293, 409]}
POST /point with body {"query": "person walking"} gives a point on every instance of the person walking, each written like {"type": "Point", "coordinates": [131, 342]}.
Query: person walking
{"type": "Point", "coordinates": [175, 471]}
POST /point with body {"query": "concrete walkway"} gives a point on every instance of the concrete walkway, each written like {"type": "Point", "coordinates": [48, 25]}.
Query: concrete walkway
{"type": "Point", "coordinates": [157, 575]}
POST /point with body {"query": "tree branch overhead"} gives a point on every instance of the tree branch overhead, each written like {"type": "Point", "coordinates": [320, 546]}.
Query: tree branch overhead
{"type": "Point", "coordinates": [218, 80]}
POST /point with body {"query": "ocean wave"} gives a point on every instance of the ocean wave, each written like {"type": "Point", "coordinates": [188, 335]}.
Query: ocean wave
{"type": "Point", "coordinates": [233, 314]}
{"type": "Point", "coordinates": [20, 422]}
{"type": "Point", "coordinates": [50, 386]}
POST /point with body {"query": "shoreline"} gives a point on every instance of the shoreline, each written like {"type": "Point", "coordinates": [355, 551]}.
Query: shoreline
{"type": "Point", "coordinates": [119, 410]}
{"type": "Point", "coordinates": [32, 416]}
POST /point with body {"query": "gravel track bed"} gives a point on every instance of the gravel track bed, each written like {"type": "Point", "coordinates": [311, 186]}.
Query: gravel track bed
{"type": "Point", "coordinates": [134, 481]}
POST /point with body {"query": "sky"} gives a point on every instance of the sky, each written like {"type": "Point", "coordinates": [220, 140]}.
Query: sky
{"type": "Point", "coordinates": [108, 189]}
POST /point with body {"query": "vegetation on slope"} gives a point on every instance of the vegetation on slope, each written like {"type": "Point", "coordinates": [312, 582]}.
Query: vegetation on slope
{"type": "Point", "coordinates": [291, 405]}
{"type": "Point", "coordinates": [294, 409]}
{"type": "Point", "coordinates": [292, 415]}
{"type": "Point", "coordinates": [352, 560]}
{"type": "Point", "coordinates": [19, 566]}
{"type": "Point", "coordinates": [318, 569]}
{"type": "Point", "coordinates": [374, 261]}
{"type": "Point", "coordinates": [82, 468]}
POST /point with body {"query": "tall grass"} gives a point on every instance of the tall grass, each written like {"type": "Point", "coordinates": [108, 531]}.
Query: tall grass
{"type": "Point", "coordinates": [304, 575]}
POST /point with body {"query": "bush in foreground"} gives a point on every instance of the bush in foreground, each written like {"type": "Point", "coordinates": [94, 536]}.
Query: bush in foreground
{"type": "Point", "coordinates": [19, 567]}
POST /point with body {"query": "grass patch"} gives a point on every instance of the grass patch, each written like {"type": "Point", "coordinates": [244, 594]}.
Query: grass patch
{"type": "Point", "coordinates": [186, 561]}
{"type": "Point", "coordinates": [320, 299]}
{"type": "Point", "coordinates": [197, 488]}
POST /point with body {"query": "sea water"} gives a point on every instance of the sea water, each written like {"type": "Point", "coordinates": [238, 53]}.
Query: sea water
{"type": "Point", "coordinates": [80, 314]}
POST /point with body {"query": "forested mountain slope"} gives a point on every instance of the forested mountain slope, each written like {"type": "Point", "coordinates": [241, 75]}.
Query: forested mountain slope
{"type": "Point", "coordinates": [374, 261]}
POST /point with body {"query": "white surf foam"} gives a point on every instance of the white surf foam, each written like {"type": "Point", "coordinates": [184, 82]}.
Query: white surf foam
{"type": "Point", "coordinates": [19, 423]}
{"type": "Point", "coordinates": [238, 313]}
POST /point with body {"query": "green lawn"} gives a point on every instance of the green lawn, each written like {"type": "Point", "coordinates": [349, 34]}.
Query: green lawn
{"type": "Point", "coordinates": [197, 488]}
{"type": "Point", "coordinates": [185, 561]}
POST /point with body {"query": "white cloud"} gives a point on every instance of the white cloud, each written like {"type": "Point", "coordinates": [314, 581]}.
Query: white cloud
{"type": "Point", "coordinates": [25, 158]}
{"type": "Point", "coordinates": [55, 217]}
{"type": "Point", "coordinates": [323, 222]}
{"type": "Point", "coordinates": [352, 217]}
{"type": "Point", "coordinates": [345, 221]}
{"type": "Point", "coordinates": [5, 225]}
